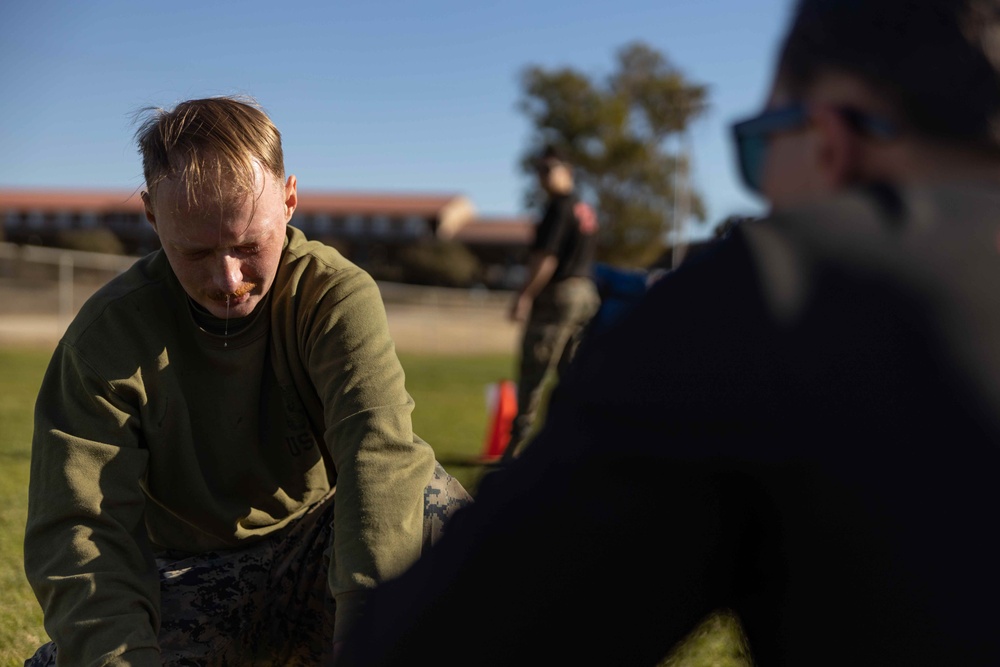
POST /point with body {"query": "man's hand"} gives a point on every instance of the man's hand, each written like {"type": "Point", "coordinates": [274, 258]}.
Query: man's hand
{"type": "Point", "coordinates": [521, 307]}
{"type": "Point", "coordinates": [541, 268]}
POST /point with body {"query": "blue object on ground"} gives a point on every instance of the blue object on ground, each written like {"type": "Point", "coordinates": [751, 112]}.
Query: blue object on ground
{"type": "Point", "coordinates": [619, 289]}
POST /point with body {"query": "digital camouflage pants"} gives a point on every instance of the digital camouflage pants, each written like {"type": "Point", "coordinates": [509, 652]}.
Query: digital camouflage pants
{"type": "Point", "coordinates": [559, 316]}
{"type": "Point", "coordinates": [268, 604]}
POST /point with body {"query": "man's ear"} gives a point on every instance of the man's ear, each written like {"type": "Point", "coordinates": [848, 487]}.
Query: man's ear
{"type": "Point", "coordinates": [147, 204]}
{"type": "Point", "coordinates": [291, 197]}
{"type": "Point", "coordinates": [838, 149]}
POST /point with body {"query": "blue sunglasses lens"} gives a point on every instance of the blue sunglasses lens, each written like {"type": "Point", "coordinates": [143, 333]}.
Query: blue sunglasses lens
{"type": "Point", "coordinates": [752, 150]}
{"type": "Point", "coordinates": [752, 138]}
{"type": "Point", "coordinates": [752, 135]}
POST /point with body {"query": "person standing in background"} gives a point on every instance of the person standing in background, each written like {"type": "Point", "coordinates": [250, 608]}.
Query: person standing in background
{"type": "Point", "coordinates": [559, 295]}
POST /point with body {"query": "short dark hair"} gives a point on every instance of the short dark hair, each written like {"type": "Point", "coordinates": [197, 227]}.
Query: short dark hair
{"type": "Point", "coordinates": [546, 157]}
{"type": "Point", "coordinates": [936, 62]}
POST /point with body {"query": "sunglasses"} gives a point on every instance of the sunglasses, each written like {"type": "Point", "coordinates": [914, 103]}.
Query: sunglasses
{"type": "Point", "coordinates": [752, 136]}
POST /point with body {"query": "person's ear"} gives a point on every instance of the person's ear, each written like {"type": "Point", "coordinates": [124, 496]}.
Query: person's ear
{"type": "Point", "coordinates": [147, 204]}
{"type": "Point", "coordinates": [837, 148]}
{"type": "Point", "coordinates": [291, 197]}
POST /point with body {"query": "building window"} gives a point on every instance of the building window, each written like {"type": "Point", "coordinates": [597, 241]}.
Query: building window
{"type": "Point", "coordinates": [381, 226]}
{"type": "Point", "coordinates": [12, 220]}
{"type": "Point", "coordinates": [414, 226]}
{"type": "Point", "coordinates": [354, 225]}
{"type": "Point", "coordinates": [322, 224]}
{"type": "Point", "coordinates": [63, 220]}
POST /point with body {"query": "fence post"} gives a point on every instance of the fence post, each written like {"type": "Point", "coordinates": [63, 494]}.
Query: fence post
{"type": "Point", "coordinates": [65, 288]}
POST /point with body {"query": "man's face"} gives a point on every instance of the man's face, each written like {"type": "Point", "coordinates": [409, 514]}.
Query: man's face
{"type": "Point", "coordinates": [224, 253]}
{"type": "Point", "coordinates": [789, 175]}
{"type": "Point", "coordinates": [555, 178]}
{"type": "Point", "coordinates": [836, 135]}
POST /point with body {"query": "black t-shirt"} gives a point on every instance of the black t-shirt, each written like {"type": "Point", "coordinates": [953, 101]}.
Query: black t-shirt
{"type": "Point", "coordinates": [568, 230]}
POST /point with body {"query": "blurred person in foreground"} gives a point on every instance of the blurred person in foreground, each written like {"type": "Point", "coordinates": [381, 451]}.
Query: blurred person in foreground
{"type": "Point", "coordinates": [558, 297]}
{"type": "Point", "coordinates": [223, 461]}
{"type": "Point", "coordinates": [801, 425]}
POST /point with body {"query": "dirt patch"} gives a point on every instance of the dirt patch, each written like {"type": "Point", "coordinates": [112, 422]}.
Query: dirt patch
{"type": "Point", "coordinates": [452, 330]}
{"type": "Point", "coordinates": [31, 317]}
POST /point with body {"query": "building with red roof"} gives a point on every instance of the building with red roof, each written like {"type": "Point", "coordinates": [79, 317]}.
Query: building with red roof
{"type": "Point", "coordinates": [368, 227]}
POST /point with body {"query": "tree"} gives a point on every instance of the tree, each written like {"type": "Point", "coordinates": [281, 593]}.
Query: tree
{"type": "Point", "coordinates": [101, 240]}
{"type": "Point", "coordinates": [440, 263]}
{"type": "Point", "coordinates": [617, 133]}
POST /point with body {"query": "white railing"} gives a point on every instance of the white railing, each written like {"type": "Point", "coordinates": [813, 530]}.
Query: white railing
{"type": "Point", "coordinates": [67, 262]}
{"type": "Point", "coordinates": [42, 288]}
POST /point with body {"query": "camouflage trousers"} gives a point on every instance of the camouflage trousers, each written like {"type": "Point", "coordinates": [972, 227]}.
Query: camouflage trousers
{"type": "Point", "coordinates": [559, 316]}
{"type": "Point", "coordinates": [268, 604]}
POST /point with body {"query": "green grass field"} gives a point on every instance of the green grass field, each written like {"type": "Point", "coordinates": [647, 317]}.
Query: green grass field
{"type": "Point", "coordinates": [451, 414]}
{"type": "Point", "coordinates": [20, 617]}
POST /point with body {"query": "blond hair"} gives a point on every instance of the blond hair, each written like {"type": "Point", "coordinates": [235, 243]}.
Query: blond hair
{"type": "Point", "coordinates": [210, 144]}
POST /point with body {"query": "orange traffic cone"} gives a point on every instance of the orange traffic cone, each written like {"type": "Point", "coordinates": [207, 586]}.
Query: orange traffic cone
{"type": "Point", "coordinates": [501, 400]}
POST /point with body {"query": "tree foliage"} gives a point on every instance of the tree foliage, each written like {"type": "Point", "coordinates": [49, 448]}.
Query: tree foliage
{"type": "Point", "coordinates": [101, 240]}
{"type": "Point", "coordinates": [623, 135]}
{"type": "Point", "coordinates": [440, 263]}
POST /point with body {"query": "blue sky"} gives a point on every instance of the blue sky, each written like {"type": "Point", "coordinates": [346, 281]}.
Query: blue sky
{"type": "Point", "coordinates": [374, 96]}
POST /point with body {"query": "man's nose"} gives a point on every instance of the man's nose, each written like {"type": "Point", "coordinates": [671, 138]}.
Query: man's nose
{"type": "Point", "coordinates": [229, 274]}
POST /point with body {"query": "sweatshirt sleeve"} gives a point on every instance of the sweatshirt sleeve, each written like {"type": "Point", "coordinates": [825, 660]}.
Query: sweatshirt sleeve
{"type": "Point", "coordinates": [382, 466]}
{"type": "Point", "coordinates": [86, 553]}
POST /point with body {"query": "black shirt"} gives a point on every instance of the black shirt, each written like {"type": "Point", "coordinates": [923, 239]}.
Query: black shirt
{"type": "Point", "coordinates": [568, 230]}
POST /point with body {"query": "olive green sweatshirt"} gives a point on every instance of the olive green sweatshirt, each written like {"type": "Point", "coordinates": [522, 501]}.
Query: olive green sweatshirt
{"type": "Point", "coordinates": [153, 433]}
